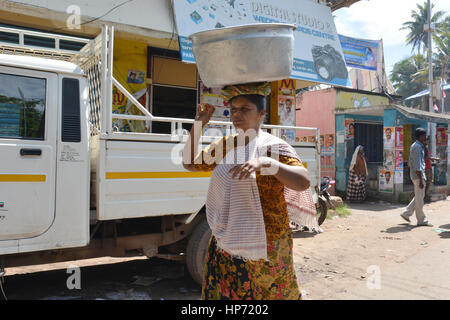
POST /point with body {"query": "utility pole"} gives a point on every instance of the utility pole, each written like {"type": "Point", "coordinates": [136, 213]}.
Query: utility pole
{"type": "Point", "coordinates": [431, 126]}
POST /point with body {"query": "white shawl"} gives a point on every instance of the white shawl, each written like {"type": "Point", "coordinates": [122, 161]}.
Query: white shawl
{"type": "Point", "coordinates": [233, 206]}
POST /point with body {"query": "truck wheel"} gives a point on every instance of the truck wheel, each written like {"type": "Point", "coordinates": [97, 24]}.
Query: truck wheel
{"type": "Point", "coordinates": [196, 251]}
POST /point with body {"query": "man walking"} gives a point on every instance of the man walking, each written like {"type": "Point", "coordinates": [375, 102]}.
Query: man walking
{"type": "Point", "coordinates": [417, 174]}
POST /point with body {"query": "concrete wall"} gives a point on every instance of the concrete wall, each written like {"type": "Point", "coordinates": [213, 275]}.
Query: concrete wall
{"type": "Point", "coordinates": [154, 14]}
{"type": "Point", "coordinates": [315, 109]}
{"type": "Point", "coordinates": [345, 148]}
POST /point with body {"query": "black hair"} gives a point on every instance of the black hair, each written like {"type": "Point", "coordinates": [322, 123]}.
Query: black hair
{"type": "Point", "coordinates": [420, 132]}
{"type": "Point", "coordinates": [257, 99]}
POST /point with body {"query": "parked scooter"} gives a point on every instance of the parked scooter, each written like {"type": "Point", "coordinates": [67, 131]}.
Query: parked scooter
{"type": "Point", "coordinates": [325, 198]}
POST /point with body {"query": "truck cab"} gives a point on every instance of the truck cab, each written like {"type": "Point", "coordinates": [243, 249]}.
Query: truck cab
{"type": "Point", "coordinates": [44, 179]}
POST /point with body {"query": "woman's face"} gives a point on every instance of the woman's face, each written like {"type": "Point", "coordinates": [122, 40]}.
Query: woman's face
{"type": "Point", "coordinates": [245, 114]}
{"type": "Point", "coordinates": [361, 152]}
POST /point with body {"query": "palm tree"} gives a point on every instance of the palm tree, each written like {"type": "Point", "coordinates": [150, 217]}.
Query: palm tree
{"type": "Point", "coordinates": [442, 41]}
{"type": "Point", "coordinates": [409, 76]}
{"type": "Point", "coordinates": [417, 37]}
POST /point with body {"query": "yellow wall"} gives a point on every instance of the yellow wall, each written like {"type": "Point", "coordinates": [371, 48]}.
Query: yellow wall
{"type": "Point", "coordinates": [128, 55]}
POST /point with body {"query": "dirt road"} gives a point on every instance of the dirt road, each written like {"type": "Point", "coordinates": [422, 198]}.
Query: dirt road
{"type": "Point", "coordinates": [372, 254]}
{"type": "Point", "coordinates": [375, 254]}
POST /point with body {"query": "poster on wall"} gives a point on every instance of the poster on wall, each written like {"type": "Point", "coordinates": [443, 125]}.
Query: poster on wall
{"type": "Point", "coordinates": [286, 110]}
{"type": "Point", "coordinates": [119, 106]}
{"type": "Point", "coordinates": [327, 161]}
{"type": "Point", "coordinates": [322, 143]}
{"type": "Point", "coordinates": [287, 87]}
{"type": "Point", "coordinates": [441, 153]}
{"type": "Point", "coordinates": [286, 114]}
{"type": "Point", "coordinates": [312, 139]}
{"type": "Point", "coordinates": [214, 97]}
{"type": "Point", "coordinates": [388, 158]}
{"type": "Point", "coordinates": [349, 129]}
{"type": "Point", "coordinates": [398, 176]}
{"type": "Point", "coordinates": [399, 159]}
{"type": "Point", "coordinates": [318, 54]}
{"type": "Point", "coordinates": [388, 137]}
{"type": "Point", "coordinates": [441, 136]}
{"type": "Point", "coordinates": [398, 137]}
{"type": "Point", "coordinates": [329, 143]}
{"type": "Point", "coordinates": [135, 76]}
{"type": "Point", "coordinates": [386, 180]}
{"type": "Point", "coordinates": [440, 174]}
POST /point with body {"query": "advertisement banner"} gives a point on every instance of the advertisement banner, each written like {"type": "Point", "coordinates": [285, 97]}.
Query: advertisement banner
{"type": "Point", "coordinates": [318, 54]}
{"type": "Point", "coordinates": [360, 53]}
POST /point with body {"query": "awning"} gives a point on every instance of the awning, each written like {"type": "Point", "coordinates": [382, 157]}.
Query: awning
{"type": "Point", "coordinates": [406, 111]}
{"type": "Point", "coordinates": [426, 92]}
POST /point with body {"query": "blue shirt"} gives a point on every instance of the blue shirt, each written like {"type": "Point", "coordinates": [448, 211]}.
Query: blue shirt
{"type": "Point", "coordinates": [417, 160]}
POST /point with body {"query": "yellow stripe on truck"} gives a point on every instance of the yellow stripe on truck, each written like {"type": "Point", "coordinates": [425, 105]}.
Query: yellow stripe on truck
{"type": "Point", "coordinates": [156, 175]}
{"type": "Point", "coordinates": [22, 177]}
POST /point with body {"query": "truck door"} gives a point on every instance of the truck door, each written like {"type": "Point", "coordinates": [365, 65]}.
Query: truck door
{"type": "Point", "coordinates": [28, 124]}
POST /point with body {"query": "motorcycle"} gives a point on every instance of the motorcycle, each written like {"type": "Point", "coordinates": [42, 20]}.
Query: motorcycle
{"type": "Point", "coordinates": [324, 198]}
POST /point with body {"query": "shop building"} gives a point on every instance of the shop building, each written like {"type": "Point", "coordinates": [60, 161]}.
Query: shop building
{"type": "Point", "coordinates": [353, 117]}
{"type": "Point", "coordinates": [147, 58]}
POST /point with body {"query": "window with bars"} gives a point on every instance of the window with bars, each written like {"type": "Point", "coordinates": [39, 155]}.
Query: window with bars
{"type": "Point", "coordinates": [370, 136]}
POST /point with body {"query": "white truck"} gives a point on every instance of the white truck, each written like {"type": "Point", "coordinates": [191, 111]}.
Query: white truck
{"type": "Point", "coordinates": [72, 187]}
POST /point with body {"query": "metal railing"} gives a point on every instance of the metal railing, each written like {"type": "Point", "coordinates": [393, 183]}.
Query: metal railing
{"type": "Point", "coordinates": [23, 48]}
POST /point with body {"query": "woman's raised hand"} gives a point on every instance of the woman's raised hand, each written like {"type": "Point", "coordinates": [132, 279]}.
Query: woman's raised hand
{"type": "Point", "coordinates": [204, 113]}
{"type": "Point", "coordinates": [244, 171]}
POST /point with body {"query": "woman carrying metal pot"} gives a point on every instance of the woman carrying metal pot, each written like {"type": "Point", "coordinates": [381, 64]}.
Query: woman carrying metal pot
{"type": "Point", "coordinates": [259, 189]}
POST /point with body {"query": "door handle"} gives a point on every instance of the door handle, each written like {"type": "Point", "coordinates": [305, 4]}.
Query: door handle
{"type": "Point", "coordinates": [30, 152]}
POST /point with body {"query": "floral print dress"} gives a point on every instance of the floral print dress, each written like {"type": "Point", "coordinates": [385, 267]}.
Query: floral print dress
{"type": "Point", "coordinates": [227, 277]}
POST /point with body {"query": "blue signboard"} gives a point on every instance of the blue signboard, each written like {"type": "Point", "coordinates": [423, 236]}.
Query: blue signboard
{"type": "Point", "coordinates": [360, 53]}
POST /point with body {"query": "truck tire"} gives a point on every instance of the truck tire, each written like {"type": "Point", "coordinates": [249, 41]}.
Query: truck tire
{"type": "Point", "coordinates": [196, 250]}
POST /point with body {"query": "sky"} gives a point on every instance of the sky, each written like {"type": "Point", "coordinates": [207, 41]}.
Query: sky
{"type": "Point", "coordinates": [382, 19]}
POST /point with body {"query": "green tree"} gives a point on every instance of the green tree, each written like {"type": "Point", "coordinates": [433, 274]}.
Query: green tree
{"type": "Point", "coordinates": [441, 58]}
{"type": "Point", "coordinates": [406, 76]}
{"type": "Point", "coordinates": [417, 37]}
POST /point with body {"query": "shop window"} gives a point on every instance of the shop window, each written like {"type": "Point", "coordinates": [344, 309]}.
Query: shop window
{"type": "Point", "coordinates": [173, 72]}
{"type": "Point", "coordinates": [22, 107]}
{"type": "Point", "coordinates": [370, 136]}
{"type": "Point", "coordinates": [174, 88]}
{"type": "Point", "coordinates": [172, 102]}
